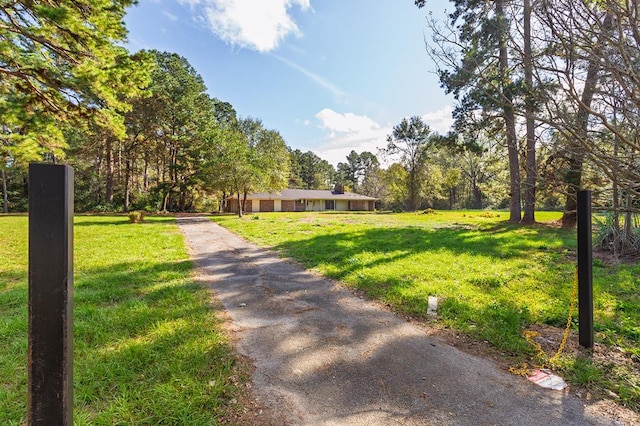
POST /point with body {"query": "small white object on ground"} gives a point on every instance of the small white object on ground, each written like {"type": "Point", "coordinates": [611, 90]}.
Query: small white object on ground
{"type": "Point", "coordinates": [546, 379]}
{"type": "Point", "coordinates": [432, 305]}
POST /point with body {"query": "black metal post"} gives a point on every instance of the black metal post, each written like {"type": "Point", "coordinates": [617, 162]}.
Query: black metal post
{"type": "Point", "coordinates": [585, 271]}
{"type": "Point", "coordinates": [50, 295]}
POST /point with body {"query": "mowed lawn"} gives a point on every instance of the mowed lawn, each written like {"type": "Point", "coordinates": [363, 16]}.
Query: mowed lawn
{"type": "Point", "coordinates": [149, 348]}
{"type": "Point", "coordinates": [493, 280]}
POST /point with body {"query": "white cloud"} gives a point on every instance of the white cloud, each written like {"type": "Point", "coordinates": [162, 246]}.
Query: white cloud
{"type": "Point", "coordinates": [439, 121]}
{"type": "Point", "coordinates": [253, 24]}
{"type": "Point", "coordinates": [347, 123]}
{"type": "Point", "coordinates": [345, 132]}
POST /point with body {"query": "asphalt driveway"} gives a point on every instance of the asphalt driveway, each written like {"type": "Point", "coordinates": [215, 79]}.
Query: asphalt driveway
{"type": "Point", "coordinates": [325, 356]}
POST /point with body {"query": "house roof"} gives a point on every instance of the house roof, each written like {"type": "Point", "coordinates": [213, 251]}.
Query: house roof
{"type": "Point", "coordinates": [308, 194]}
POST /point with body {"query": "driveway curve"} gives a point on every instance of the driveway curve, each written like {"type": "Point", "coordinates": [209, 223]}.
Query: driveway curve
{"type": "Point", "coordinates": [324, 356]}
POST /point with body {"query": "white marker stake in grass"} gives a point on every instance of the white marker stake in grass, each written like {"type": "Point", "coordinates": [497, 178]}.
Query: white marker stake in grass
{"type": "Point", "coordinates": [432, 306]}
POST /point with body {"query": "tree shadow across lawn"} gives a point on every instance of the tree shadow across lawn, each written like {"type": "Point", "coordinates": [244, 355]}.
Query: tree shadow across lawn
{"type": "Point", "coordinates": [366, 258]}
{"type": "Point", "coordinates": [82, 220]}
{"type": "Point", "coordinates": [340, 355]}
{"type": "Point", "coordinates": [145, 347]}
{"type": "Point", "coordinates": [500, 241]}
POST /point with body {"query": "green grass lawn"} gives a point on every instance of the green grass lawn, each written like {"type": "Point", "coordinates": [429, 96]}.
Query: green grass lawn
{"type": "Point", "coordinates": [493, 279]}
{"type": "Point", "coordinates": [148, 346]}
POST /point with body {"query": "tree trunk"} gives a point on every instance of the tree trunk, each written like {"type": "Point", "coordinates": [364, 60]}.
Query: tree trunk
{"type": "Point", "coordinates": [145, 173]}
{"type": "Point", "coordinates": [109, 177]}
{"type": "Point", "coordinates": [222, 202]}
{"type": "Point", "coordinates": [573, 177]}
{"type": "Point", "coordinates": [515, 209]}
{"type": "Point", "coordinates": [413, 191]}
{"type": "Point", "coordinates": [244, 200]}
{"type": "Point", "coordinates": [628, 226]}
{"type": "Point", "coordinates": [616, 195]}
{"type": "Point", "coordinates": [173, 177]}
{"type": "Point", "coordinates": [573, 181]}
{"type": "Point", "coordinates": [5, 196]}
{"type": "Point", "coordinates": [165, 201]}
{"type": "Point", "coordinates": [127, 187]}
{"type": "Point", "coordinates": [240, 206]}
{"type": "Point", "coordinates": [616, 220]}
{"type": "Point", "coordinates": [477, 196]}
{"type": "Point", "coordinates": [530, 185]}
{"type": "Point", "coordinates": [182, 201]}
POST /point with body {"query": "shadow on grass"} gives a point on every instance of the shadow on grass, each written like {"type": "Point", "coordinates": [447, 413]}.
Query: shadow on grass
{"type": "Point", "coordinates": [500, 322]}
{"type": "Point", "coordinates": [114, 219]}
{"type": "Point", "coordinates": [310, 337]}
{"type": "Point", "coordinates": [500, 241]}
{"type": "Point", "coordinates": [146, 347]}
{"type": "Point", "coordinates": [122, 221]}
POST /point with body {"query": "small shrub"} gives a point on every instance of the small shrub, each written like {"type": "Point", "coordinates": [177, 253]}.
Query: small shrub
{"type": "Point", "coordinates": [398, 211]}
{"type": "Point", "coordinates": [488, 283]}
{"type": "Point", "coordinates": [136, 217]}
{"type": "Point", "coordinates": [103, 208]}
{"type": "Point", "coordinates": [606, 233]}
{"type": "Point", "coordinates": [429, 211]}
{"type": "Point", "coordinates": [256, 217]}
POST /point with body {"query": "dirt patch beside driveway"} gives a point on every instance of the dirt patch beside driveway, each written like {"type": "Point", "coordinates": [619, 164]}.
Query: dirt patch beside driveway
{"type": "Point", "coordinates": [323, 355]}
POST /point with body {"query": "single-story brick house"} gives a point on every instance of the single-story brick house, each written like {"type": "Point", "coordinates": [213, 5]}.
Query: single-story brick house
{"type": "Point", "coordinates": [300, 200]}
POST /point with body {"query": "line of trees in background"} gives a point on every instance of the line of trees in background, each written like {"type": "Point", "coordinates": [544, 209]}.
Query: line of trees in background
{"type": "Point", "coordinates": [426, 170]}
{"type": "Point", "coordinates": [139, 129]}
{"type": "Point", "coordinates": [557, 84]}
{"type": "Point", "coordinates": [548, 99]}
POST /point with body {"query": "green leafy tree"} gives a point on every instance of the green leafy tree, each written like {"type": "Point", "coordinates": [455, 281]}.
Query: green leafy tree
{"type": "Point", "coordinates": [158, 164]}
{"type": "Point", "coordinates": [273, 161]}
{"type": "Point", "coordinates": [184, 112]}
{"type": "Point", "coordinates": [247, 157]}
{"type": "Point", "coordinates": [231, 168]}
{"type": "Point", "coordinates": [396, 190]}
{"type": "Point", "coordinates": [472, 56]}
{"type": "Point", "coordinates": [358, 169]}
{"type": "Point", "coordinates": [371, 183]}
{"type": "Point", "coordinates": [311, 171]}
{"type": "Point", "coordinates": [61, 61]}
{"type": "Point", "coordinates": [349, 172]}
{"type": "Point", "coordinates": [60, 64]}
{"type": "Point", "coordinates": [410, 139]}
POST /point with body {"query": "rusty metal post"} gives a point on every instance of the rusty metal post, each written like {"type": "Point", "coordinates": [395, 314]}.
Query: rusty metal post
{"type": "Point", "coordinates": [585, 271]}
{"type": "Point", "coordinates": [50, 295]}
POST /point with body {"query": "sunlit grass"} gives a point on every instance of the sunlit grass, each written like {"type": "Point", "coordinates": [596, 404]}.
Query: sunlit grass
{"type": "Point", "coordinates": [493, 279]}
{"type": "Point", "coordinates": [148, 346]}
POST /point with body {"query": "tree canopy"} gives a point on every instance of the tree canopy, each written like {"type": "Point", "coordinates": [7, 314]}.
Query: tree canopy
{"type": "Point", "coordinates": [61, 62]}
{"type": "Point", "coordinates": [410, 140]}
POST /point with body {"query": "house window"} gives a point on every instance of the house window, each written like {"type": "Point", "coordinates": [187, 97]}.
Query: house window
{"type": "Point", "coordinates": [330, 205]}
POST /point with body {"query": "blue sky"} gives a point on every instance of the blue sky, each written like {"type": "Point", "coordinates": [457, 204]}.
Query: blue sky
{"type": "Point", "coordinates": [330, 75]}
